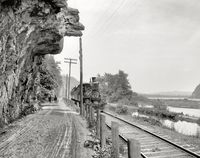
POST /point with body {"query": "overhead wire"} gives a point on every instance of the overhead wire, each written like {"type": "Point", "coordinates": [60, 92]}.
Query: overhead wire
{"type": "Point", "coordinates": [111, 16]}
{"type": "Point", "coordinates": [123, 20]}
{"type": "Point", "coordinates": [136, 4]}
{"type": "Point", "coordinates": [105, 12]}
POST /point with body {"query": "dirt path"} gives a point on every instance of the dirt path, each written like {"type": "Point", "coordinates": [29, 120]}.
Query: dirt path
{"type": "Point", "coordinates": [54, 132]}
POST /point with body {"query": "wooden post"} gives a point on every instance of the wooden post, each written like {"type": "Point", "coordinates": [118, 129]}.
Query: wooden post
{"type": "Point", "coordinates": [66, 90]}
{"type": "Point", "coordinates": [90, 115]}
{"type": "Point", "coordinates": [69, 80]}
{"type": "Point", "coordinates": [83, 110]}
{"type": "Point", "coordinates": [88, 112]}
{"type": "Point", "coordinates": [98, 123]}
{"type": "Point", "coordinates": [103, 130]}
{"type": "Point", "coordinates": [115, 139]}
{"type": "Point", "coordinates": [81, 76]}
{"type": "Point", "coordinates": [70, 61]}
{"type": "Point", "coordinates": [133, 148]}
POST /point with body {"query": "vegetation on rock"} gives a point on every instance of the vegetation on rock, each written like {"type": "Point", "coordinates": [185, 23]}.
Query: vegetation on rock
{"type": "Point", "coordinates": [50, 78]}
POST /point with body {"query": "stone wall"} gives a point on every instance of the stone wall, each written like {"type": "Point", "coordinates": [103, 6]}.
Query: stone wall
{"type": "Point", "coordinates": [29, 29]}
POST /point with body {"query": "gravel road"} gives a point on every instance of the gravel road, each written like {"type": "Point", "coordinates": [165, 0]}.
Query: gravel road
{"type": "Point", "coordinates": [54, 132]}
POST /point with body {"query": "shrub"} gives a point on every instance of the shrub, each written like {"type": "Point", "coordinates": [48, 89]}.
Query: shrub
{"type": "Point", "coordinates": [112, 108]}
{"type": "Point", "coordinates": [159, 113]}
{"type": "Point", "coordinates": [133, 103]}
{"type": "Point", "coordinates": [104, 152]}
{"type": "Point", "coordinates": [124, 101]}
{"type": "Point", "coordinates": [121, 109]}
{"type": "Point", "coordinates": [158, 104]}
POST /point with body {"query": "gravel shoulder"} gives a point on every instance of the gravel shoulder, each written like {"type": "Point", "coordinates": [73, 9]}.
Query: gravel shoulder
{"type": "Point", "coordinates": [54, 132]}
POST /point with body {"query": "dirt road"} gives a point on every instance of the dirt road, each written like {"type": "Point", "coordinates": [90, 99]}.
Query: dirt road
{"type": "Point", "coordinates": [54, 132]}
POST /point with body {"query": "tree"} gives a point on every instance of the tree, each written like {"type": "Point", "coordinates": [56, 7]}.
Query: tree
{"type": "Point", "coordinates": [50, 77]}
{"type": "Point", "coordinates": [115, 87]}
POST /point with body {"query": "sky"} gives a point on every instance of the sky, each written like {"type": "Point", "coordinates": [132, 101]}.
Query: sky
{"type": "Point", "coordinates": [155, 41]}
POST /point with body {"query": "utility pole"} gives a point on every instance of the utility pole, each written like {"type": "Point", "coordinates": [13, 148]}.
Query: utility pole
{"type": "Point", "coordinates": [81, 77]}
{"type": "Point", "coordinates": [70, 61]}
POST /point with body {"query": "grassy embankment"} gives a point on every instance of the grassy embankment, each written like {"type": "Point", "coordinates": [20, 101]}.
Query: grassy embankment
{"type": "Point", "coordinates": [182, 103]}
{"type": "Point", "coordinates": [158, 111]}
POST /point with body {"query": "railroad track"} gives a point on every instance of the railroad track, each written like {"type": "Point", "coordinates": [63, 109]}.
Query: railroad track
{"type": "Point", "coordinates": [152, 145]}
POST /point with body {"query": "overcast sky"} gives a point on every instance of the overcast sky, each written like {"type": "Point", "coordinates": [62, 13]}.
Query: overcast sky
{"type": "Point", "coordinates": [157, 42]}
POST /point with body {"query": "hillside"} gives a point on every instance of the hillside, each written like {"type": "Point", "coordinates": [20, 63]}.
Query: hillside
{"type": "Point", "coordinates": [73, 81]}
{"type": "Point", "coordinates": [196, 93]}
{"type": "Point", "coordinates": [170, 94]}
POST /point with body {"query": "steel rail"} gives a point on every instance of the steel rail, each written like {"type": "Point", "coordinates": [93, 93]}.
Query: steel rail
{"type": "Point", "coordinates": [155, 135]}
{"type": "Point", "coordinates": [126, 140]}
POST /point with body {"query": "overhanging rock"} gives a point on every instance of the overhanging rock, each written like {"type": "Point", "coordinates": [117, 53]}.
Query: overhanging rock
{"type": "Point", "coordinates": [29, 28]}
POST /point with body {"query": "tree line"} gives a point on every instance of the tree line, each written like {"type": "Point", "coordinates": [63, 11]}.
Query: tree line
{"type": "Point", "coordinates": [115, 88]}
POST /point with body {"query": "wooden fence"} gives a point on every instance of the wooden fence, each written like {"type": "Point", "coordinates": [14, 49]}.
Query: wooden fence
{"type": "Point", "coordinates": [89, 114]}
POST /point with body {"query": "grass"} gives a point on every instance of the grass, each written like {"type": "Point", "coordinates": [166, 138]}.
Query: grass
{"type": "Point", "coordinates": [183, 103]}
{"type": "Point", "coordinates": [112, 108]}
{"type": "Point", "coordinates": [159, 113]}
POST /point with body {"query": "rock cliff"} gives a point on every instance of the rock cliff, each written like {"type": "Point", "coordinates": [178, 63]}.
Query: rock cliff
{"type": "Point", "coordinates": [29, 29]}
{"type": "Point", "coordinates": [196, 93]}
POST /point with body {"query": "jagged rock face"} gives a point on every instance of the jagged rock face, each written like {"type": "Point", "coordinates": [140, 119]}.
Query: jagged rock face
{"type": "Point", "coordinates": [196, 93]}
{"type": "Point", "coordinates": [29, 28]}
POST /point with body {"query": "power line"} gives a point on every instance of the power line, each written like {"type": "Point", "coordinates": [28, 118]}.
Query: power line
{"type": "Point", "coordinates": [69, 61]}
{"type": "Point", "coordinates": [102, 16]}
{"type": "Point", "coordinates": [81, 76]}
{"type": "Point", "coordinates": [124, 4]}
{"type": "Point", "coordinates": [111, 16]}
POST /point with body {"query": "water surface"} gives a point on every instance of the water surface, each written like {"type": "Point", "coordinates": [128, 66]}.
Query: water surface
{"type": "Point", "coordinates": [185, 111]}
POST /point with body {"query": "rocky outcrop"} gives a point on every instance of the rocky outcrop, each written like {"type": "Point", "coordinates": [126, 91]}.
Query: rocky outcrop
{"type": "Point", "coordinates": [196, 93]}
{"type": "Point", "coordinates": [29, 29]}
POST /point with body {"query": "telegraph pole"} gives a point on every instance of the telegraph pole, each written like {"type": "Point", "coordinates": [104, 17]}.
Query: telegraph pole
{"type": "Point", "coordinates": [81, 77]}
{"type": "Point", "coordinates": [69, 61]}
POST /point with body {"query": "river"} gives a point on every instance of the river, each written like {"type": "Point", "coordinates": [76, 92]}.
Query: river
{"type": "Point", "coordinates": [173, 98]}
{"type": "Point", "coordinates": [186, 111]}
{"type": "Point", "coordinates": [183, 127]}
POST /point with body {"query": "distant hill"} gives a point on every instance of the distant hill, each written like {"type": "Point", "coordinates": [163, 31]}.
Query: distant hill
{"type": "Point", "coordinates": [73, 82]}
{"type": "Point", "coordinates": [170, 94]}
{"type": "Point", "coordinates": [196, 93]}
